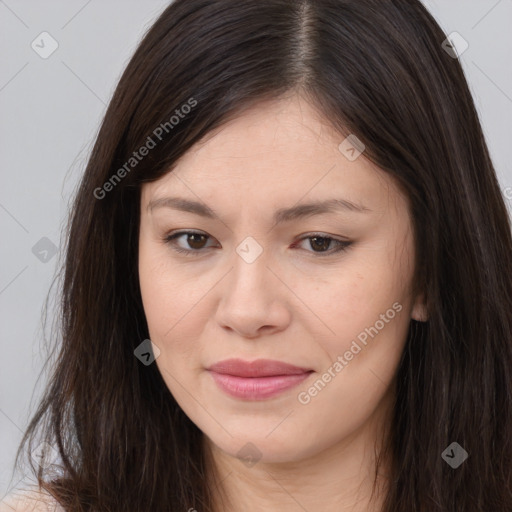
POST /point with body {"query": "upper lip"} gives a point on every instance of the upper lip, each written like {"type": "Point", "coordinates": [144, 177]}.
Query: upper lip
{"type": "Point", "coordinates": [258, 368]}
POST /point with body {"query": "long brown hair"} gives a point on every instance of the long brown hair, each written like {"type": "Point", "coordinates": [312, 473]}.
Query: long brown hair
{"type": "Point", "coordinates": [376, 69]}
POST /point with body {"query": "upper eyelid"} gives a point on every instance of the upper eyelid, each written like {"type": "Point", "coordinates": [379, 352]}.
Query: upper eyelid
{"type": "Point", "coordinates": [305, 235]}
{"type": "Point", "coordinates": [340, 243]}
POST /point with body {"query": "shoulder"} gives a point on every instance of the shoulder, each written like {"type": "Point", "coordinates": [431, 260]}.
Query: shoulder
{"type": "Point", "coordinates": [30, 500]}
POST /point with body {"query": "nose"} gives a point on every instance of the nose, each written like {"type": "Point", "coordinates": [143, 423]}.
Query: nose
{"type": "Point", "coordinates": [254, 302]}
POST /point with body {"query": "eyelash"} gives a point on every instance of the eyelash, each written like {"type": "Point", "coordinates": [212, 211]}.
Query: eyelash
{"type": "Point", "coordinates": [169, 239]}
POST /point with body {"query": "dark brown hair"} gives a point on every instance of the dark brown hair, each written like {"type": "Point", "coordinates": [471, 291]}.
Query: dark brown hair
{"type": "Point", "coordinates": [373, 68]}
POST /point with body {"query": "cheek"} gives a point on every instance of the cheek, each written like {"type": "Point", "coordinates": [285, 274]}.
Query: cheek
{"type": "Point", "coordinates": [156, 292]}
{"type": "Point", "coordinates": [162, 296]}
{"type": "Point", "coordinates": [360, 303]}
{"type": "Point", "coordinates": [175, 309]}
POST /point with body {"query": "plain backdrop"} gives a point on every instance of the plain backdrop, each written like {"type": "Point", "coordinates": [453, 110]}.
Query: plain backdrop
{"type": "Point", "coordinates": [50, 110]}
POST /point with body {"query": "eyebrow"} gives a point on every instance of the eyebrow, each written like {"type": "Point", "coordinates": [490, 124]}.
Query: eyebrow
{"type": "Point", "coordinates": [282, 215]}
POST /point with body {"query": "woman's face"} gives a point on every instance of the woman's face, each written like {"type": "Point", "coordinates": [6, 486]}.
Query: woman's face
{"type": "Point", "coordinates": [249, 288]}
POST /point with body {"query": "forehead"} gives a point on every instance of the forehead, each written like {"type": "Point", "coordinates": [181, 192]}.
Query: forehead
{"type": "Point", "coordinates": [279, 151]}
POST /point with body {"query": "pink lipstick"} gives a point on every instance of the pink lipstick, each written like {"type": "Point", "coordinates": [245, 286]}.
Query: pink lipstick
{"type": "Point", "coordinates": [256, 380]}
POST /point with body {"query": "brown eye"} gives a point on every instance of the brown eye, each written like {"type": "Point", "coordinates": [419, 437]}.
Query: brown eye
{"type": "Point", "coordinates": [194, 242]}
{"type": "Point", "coordinates": [320, 244]}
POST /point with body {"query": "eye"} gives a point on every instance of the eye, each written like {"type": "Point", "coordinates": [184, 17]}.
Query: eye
{"type": "Point", "coordinates": [322, 242]}
{"type": "Point", "coordinates": [195, 240]}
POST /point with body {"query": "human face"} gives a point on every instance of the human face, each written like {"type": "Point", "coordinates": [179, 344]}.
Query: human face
{"type": "Point", "coordinates": [251, 289]}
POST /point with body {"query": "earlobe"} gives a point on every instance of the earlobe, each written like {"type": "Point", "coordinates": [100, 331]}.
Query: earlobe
{"type": "Point", "coordinates": [419, 310]}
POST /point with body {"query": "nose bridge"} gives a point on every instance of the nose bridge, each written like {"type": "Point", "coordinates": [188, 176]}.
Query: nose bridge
{"type": "Point", "coordinates": [250, 299]}
{"type": "Point", "coordinates": [250, 272]}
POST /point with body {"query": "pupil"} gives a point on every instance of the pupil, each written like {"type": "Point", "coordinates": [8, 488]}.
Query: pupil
{"type": "Point", "coordinates": [195, 241]}
{"type": "Point", "coordinates": [325, 241]}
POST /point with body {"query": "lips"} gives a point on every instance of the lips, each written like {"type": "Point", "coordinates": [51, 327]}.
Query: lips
{"type": "Point", "coordinates": [258, 368]}
{"type": "Point", "coordinates": [256, 380]}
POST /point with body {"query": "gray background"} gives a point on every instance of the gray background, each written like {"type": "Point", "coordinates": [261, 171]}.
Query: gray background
{"type": "Point", "coordinates": [50, 110]}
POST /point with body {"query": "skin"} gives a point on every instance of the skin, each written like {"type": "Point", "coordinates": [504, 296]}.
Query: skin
{"type": "Point", "coordinates": [294, 303]}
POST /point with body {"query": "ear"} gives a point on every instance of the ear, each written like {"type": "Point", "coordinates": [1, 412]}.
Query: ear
{"type": "Point", "coordinates": [419, 310]}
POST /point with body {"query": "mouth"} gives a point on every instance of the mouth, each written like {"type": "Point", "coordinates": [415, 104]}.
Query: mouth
{"type": "Point", "coordinates": [256, 380]}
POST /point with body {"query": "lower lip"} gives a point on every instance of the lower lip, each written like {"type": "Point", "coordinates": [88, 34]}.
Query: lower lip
{"type": "Point", "coordinates": [257, 388]}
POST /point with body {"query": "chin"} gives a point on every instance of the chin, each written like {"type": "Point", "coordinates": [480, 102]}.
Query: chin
{"type": "Point", "coordinates": [262, 448]}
